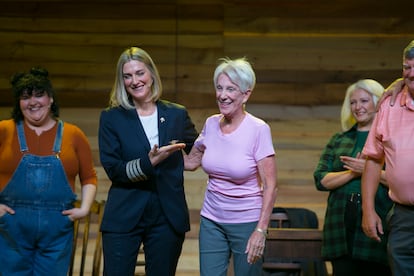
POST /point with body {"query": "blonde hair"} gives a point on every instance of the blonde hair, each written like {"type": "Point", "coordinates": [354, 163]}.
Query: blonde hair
{"type": "Point", "coordinates": [371, 86]}
{"type": "Point", "coordinates": [119, 96]}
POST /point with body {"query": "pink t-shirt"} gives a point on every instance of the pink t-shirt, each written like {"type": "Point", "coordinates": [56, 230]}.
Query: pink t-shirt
{"type": "Point", "coordinates": [234, 193]}
{"type": "Point", "coordinates": [392, 138]}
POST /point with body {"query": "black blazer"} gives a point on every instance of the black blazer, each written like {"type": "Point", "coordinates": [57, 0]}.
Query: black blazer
{"type": "Point", "coordinates": [122, 139]}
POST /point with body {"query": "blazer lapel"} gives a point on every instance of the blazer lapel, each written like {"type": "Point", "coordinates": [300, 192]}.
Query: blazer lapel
{"type": "Point", "coordinates": [162, 124]}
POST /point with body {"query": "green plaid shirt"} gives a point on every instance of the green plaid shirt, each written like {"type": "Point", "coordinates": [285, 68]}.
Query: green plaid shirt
{"type": "Point", "coordinates": [334, 230]}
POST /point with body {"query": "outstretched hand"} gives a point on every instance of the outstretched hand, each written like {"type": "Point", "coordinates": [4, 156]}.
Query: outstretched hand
{"type": "Point", "coordinates": [157, 155]}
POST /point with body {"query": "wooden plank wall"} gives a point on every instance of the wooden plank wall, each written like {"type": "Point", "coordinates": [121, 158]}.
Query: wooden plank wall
{"type": "Point", "coordinates": [304, 52]}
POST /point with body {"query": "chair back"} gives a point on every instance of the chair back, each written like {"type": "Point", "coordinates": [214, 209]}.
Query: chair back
{"type": "Point", "coordinates": [85, 230]}
{"type": "Point", "coordinates": [279, 220]}
{"type": "Point", "coordinates": [293, 245]}
{"type": "Point", "coordinates": [296, 217]}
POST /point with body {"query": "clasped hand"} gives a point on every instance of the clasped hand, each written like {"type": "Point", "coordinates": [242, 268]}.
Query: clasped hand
{"type": "Point", "coordinates": [354, 164]}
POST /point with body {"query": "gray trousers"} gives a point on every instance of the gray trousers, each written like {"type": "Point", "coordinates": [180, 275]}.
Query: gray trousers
{"type": "Point", "coordinates": [401, 240]}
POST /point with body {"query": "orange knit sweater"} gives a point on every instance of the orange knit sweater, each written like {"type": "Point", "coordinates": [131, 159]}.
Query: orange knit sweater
{"type": "Point", "coordinates": [76, 155]}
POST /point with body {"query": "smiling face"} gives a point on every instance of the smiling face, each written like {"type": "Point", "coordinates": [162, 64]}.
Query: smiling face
{"type": "Point", "coordinates": [362, 108]}
{"type": "Point", "coordinates": [230, 99]}
{"type": "Point", "coordinates": [35, 107]}
{"type": "Point", "coordinates": [137, 80]}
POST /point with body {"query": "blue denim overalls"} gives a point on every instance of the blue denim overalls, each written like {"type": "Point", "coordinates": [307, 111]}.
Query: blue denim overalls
{"type": "Point", "coordinates": [37, 239]}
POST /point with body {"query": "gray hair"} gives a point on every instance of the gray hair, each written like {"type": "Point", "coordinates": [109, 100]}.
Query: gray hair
{"type": "Point", "coordinates": [409, 51]}
{"type": "Point", "coordinates": [239, 71]}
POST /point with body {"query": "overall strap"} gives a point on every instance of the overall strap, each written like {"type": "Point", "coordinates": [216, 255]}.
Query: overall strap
{"type": "Point", "coordinates": [20, 135]}
{"type": "Point", "coordinates": [58, 139]}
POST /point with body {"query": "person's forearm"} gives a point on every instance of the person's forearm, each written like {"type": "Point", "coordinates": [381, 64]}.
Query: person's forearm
{"type": "Point", "coordinates": [269, 197]}
{"type": "Point", "coordinates": [267, 170]}
{"type": "Point", "coordinates": [369, 185]}
{"type": "Point", "coordinates": [334, 180]}
{"type": "Point", "coordinates": [88, 196]}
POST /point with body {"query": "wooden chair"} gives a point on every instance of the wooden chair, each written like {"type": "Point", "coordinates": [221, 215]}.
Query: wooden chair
{"type": "Point", "coordinates": [285, 218]}
{"type": "Point", "coordinates": [288, 248]}
{"type": "Point", "coordinates": [279, 219]}
{"type": "Point", "coordinates": [82, 232]}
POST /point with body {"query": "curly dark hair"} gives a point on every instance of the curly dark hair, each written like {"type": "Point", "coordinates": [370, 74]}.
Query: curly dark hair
{"type": "Point", "coordinates": [37, 79]}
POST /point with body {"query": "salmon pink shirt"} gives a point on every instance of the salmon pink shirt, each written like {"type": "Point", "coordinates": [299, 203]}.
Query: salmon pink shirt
{"type": "Point", "coordinates": [391, 138]}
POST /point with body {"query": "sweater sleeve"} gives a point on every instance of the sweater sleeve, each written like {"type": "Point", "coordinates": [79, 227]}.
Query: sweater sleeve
{"type": "Point", "coordinates": [77, 157]}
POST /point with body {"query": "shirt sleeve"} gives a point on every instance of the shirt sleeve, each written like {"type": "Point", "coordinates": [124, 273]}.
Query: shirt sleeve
{"type": "Point", "coordinates": [264, 143]}
{"type": "Point", "coordinates": [325, 163]}
{"type": "Point", "coordinates": [373, 147]}
{"type": "Point", "coordinates": [87, 172]}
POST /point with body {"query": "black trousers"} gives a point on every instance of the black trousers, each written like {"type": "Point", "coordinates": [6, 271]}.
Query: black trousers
{"type": "Point", "coordinates": [162, 245]}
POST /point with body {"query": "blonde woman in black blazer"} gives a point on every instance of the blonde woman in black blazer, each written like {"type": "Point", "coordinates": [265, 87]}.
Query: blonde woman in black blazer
{"type": "Point", "coordinates": [140, 143]}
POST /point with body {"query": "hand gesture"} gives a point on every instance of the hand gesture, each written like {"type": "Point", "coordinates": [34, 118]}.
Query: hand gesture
{"type": "Point", "coordinates": [157, 155]}
{"type": "Point", "coordinates": [354, 164]}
